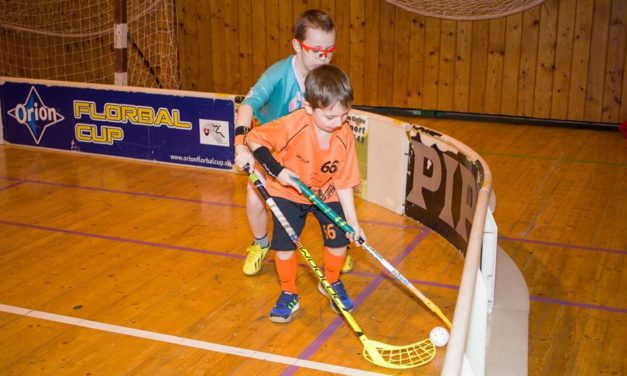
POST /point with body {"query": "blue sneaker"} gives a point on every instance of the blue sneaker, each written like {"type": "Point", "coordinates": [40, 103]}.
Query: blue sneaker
{"type": "Point", "coordinates": [339, 289]}
{"type": "Point", "coordinates": [285, 307]}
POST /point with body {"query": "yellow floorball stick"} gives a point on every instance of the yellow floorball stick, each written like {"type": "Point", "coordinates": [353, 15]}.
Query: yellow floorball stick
{"type": "Point", "coordinates": [381, 354]}
{"type": "Point", "coordinates": [347, 228]}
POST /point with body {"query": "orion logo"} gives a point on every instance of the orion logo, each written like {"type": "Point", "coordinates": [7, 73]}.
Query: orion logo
{"type": "Point", "coordinates": [34, 114]}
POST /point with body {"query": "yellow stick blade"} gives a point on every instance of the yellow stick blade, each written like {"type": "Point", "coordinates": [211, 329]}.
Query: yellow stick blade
{"type": "Point", "coordinates": [399, 357]}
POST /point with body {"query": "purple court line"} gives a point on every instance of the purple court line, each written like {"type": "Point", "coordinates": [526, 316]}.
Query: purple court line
{"type": "Point", "coordinates": [376, 277]}
{"type": "Point", "coordinates": [151, 195]}
{"type": "Point", "coordinates": [11, 186]}
{"type": "Point", "coordinates": [540, 299]}
{"type": "Point", "coordinates": [563, 245]}
{"type": "Point", "coordinates": [335, 324]}
{"type": "Point", "coordinates": [125, 240]}
{"type": "Point", "coordinates": [403, 225]}
{"type": "Point", "coordinates": [568, 303]}
{"type": "Point", "coordinates": [413, 281]}
{"type": "Point", "coordinates": [333, 327]}
{"type": "Point", "coordinates": [501, 237]}
{"type": "Point", "coordinates": [369, 275]}
{"type": "Point", "coordinates": [98, 189]}
{"type": "Point", "coordinates": [168, 246]}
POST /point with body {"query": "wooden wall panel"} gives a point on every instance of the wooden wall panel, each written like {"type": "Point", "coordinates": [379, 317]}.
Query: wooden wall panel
{"type": "Point", "coordinates": [259, 41]}
{"type": "Point", "coordinates": [401, 58]}
{"type": "Point", "coordinates": [528, 58]}
{"type": "Point", "coordinates": [286, 32]}
{"type": "Point", "coordinates": [272, 32]}
{"type": "Point", "coordinates": [478, 69]}
{"type": "Point", "coordinates": [385, 72]}
{"type": "Point", "coordinates": [446, 74]}
{"type": "Point", "coordinates": [231, 55]}
{"type": "Point", "coordinates": [218, 47]}
{"type": "Point", "coordinates": [357, 48]}
{"type": "Point", "coordinates": [563, 60]}
{"type": "Point", "coordinates": [462, 66]}
{"type": "Point", "coordinates": [416, 61]}
{"type": "Point", "coordinates": [546, 60]}
{"type": "Point", "coordinates": [371, 58]}
{"type": "Point", "coordinates": [302, 5]}
{"type": "Point", "coordinates": [341, 11]}
{"type": "Point", "coordinates": [496, 51]}
{"type": "Point", "coordinates": [598, 54]}
{"type": "Point", "coordinates": [511, 64]}
{"type": "Point", "coordinates": [581, 55]}
{"type": "Point", "coordinates": [615, 63]}
{"type": "Point", "coordinates": [432, 64]}
{"type": "Point", "coordinates": [203, 49]}
{"type": "Point", "coordinates": [189, 49]}
{"type": "Point", "coordinates": [245, 29]}
{"type": "Point", "coordinates": [623, 109]}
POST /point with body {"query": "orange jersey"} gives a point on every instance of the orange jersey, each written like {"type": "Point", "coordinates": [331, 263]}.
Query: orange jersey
{"type": "Point", "coordinates": [293, 142]}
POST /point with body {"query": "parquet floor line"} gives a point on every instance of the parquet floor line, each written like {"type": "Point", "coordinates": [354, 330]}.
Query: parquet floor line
{"type": "Point", "coordinates": [183, 341]}
{"type": "Point", "coordinates": [241, 206]}
{"type": "Point", "coordinates": [540, 299]}
{"type": "Point", "coordinates": [165, 197]}
{"type": "Point", "coordinates": [555, 159]}
{"type": "Point", "coordinates": [563, 245]}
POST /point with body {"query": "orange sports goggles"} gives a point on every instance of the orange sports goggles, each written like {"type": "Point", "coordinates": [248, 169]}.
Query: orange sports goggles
{"type": "Point", "coordinates": [321, 52]}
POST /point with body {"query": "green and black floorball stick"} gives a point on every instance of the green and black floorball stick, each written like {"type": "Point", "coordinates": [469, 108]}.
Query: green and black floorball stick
{"type": "Point", "coordinates": [381, 354]}
{"type": "Point", "coordinates": [347, 228]}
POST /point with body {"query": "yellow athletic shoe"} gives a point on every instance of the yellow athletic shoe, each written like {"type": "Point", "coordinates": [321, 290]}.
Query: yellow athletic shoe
{"type": "Point", "coordinates": [348, 264]}
{"type": "Point", "coordinates": [254, 259]}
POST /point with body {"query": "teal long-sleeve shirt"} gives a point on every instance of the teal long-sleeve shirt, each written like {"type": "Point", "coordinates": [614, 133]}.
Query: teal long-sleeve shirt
{"type": "Point", "coordinates": [276, 93]}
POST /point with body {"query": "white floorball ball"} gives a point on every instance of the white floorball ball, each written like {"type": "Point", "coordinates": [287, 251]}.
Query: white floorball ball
{"type": "Point", "coordinates": [439, 336]}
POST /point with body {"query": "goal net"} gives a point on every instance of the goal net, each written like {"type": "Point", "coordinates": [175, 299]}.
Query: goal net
{"type": "Point", "coordinates": [465, 10]}
{"type": "Point", "coordinates": [73, 41]}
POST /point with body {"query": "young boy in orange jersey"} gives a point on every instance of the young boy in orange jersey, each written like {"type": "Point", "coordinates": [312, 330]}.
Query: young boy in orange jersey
{"type": "Point", "coordinates": [315, 144]}
{"type": "Point", "coordinates": [279, 91]}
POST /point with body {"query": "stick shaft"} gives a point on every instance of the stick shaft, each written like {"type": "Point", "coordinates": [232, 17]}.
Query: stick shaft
{"type": "Point", "coordinates": [296, 240]}
{"type": "Point", "coordinates": [347, 228]}
{"type": "Point", "coordinates": [378, 353]}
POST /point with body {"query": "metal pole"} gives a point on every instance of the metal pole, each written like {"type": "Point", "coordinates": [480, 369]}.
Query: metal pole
{"type": "Point", "coordinates": [120, 37]}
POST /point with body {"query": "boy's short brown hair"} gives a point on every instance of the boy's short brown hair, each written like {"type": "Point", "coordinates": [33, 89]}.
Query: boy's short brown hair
{"type": "Point", "coordinates": [327, 85]}
{"type": "Point", "coordinates": [312, 19]}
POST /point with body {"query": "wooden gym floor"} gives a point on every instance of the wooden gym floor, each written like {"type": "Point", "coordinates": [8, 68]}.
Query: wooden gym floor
{"type": "Point", "coordinates": [117, 267]}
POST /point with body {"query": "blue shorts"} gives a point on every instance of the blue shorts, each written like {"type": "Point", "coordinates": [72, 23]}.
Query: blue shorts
{"type": "Point", "coordinates": [296, 214]}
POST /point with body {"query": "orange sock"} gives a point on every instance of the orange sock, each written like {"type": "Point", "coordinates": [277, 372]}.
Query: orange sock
{"type": "Point", "coordinates": [286, 269]}
{"type": "Point", "coordinates": [332, 265]}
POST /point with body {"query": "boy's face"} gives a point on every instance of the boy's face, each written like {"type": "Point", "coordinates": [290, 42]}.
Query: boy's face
{"type": "Point", "coordinates": [328, 119]}
{"type": "Point", "coordinates": [316, 49]}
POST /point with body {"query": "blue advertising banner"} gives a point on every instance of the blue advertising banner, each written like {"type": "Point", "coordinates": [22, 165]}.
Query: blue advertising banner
{"type": "Point", "coordinates": [173, 126]}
